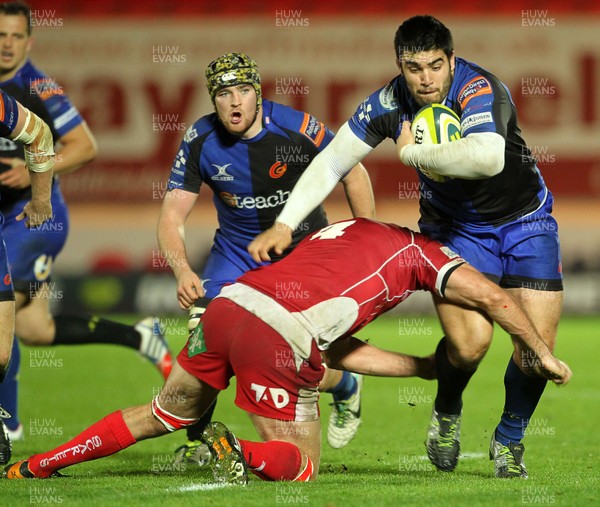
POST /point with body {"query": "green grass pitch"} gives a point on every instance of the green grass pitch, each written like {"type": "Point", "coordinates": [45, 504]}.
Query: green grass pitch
{"type": "Point", "coordinates": [65, 389]}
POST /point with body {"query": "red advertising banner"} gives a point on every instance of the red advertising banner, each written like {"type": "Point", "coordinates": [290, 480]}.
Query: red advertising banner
{"type": "Point", "coordinates": [140, 84]}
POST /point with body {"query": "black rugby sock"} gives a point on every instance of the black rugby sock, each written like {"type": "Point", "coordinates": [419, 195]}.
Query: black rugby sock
{"type": "Point", "coordinates": [76, 330]}
{"type": "Point", "coordinates": [194, 432]}
{"type": "Point", "coordinates": [451, 382]}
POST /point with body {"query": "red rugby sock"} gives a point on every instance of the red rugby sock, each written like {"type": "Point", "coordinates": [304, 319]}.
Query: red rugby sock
{"type": "Point", "coordinates": [106, 437]}
{"type": "Point", "coordinates": [272, 461]}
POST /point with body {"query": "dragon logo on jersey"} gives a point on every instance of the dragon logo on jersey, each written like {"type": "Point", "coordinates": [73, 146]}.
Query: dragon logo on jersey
{"type": "Point", "coordinates": [474, 88]}
{"type": "Point", "coordinates": [277, 170]}
{"type": "Point", "coordinates": [7, 280]}
{"type": "Point", "coordinates": [222, 174]}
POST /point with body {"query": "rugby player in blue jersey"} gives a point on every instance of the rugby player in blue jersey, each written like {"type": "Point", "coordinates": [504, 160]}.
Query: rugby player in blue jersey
{"type": "Point", "coordinates": [250, 152]}
{"type": "Point", "coordinates": [31, 253]}
{"type": "Point", "coordinates": [20, 124]}
{"type": "Point", "coordinates": [488, 202]}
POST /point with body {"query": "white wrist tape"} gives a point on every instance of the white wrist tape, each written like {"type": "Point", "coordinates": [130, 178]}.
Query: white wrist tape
{"type": "Point", "coordinates": [38, 158]}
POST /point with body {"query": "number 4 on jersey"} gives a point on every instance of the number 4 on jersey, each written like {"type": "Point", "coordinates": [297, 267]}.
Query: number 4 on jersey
{"type": "Point", "coordinates": [332, 231]}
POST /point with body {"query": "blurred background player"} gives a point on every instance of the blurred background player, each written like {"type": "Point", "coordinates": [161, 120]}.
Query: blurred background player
{"type": "Point", "coordinates": [250, 152]}
{"type": "Point", "coordinates": [491, 206]}
{"type": "Point", "coordinates": [31, 253]}
{"type": "Point", "coordinates": [249, 325]}
{"type": "Point", "coordinates": [18, 123]}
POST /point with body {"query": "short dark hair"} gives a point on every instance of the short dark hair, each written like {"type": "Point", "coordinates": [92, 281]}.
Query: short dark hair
{"type": "Point", "coordinates": [17, 9]}
{"type": "Point", "coordinates": [423, 33]}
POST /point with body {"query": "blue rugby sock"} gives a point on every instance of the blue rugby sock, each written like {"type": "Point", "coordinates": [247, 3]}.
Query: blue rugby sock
{"type": "Point", "coordinates": [344, 388]}
{"type": "Point", "coordinates": [522, 396]}
{"type": "Point", "coordinates": [9, 388]}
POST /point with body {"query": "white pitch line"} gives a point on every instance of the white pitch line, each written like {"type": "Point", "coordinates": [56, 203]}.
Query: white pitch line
{"type": "Point", "coordinates": [203, 487]}
{"type": "Point", "coordinates": [473, 455]}
{"type": "Point", "coordinates": [214, 485]}
{"type": "Point", "coordinates": [466, 455]}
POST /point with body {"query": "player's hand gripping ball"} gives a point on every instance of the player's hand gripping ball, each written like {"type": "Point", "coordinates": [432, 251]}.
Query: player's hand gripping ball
{"type": "Point", "coordinates": [435, 124]}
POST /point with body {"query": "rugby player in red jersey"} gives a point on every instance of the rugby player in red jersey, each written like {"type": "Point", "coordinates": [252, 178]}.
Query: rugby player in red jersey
{"type": "Point", "coordinates": [345, 275]}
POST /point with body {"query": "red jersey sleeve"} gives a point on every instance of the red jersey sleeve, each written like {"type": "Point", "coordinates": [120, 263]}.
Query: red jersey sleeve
{"type": "Point", "coordinates": [439, 262]}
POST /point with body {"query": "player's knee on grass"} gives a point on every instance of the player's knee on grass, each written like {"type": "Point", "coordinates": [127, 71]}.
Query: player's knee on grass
{"type": "Point", "coordinates": [305, 435]}
{"type": "Point", "coordinates": [308, 471]}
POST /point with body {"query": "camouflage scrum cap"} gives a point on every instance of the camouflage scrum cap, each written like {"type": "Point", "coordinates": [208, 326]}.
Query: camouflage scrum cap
{"type": "Point", "coordinates": [232, 69]}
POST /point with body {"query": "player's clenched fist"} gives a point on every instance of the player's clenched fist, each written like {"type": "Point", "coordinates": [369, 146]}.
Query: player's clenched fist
{"type": "Point", "coordinates": [277, 238]}
{"type": "Point", "coordinates": [189, 288]}
{"type": "Point", "coordinates": [554, 369]}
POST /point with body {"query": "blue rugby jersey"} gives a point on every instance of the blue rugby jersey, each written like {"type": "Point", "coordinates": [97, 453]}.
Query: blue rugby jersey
{"type": "Point", "coordinates": [484, 104]}
{"type": "Point", "coordinates": [43, 96]}
{"type": "Point", "coordinates": [251, 179]}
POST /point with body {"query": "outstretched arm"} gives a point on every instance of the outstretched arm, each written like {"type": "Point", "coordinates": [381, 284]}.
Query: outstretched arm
{"type": "Point", "coordinates": [466, 286]}
{"type": "Point", "coordinates": [351, 354]}
{"type": "Point", "coordinates": [316, 183]}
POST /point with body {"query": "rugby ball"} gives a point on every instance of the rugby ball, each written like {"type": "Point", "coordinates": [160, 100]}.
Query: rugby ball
{"type": "Point", "coordinates": [435, 124]}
